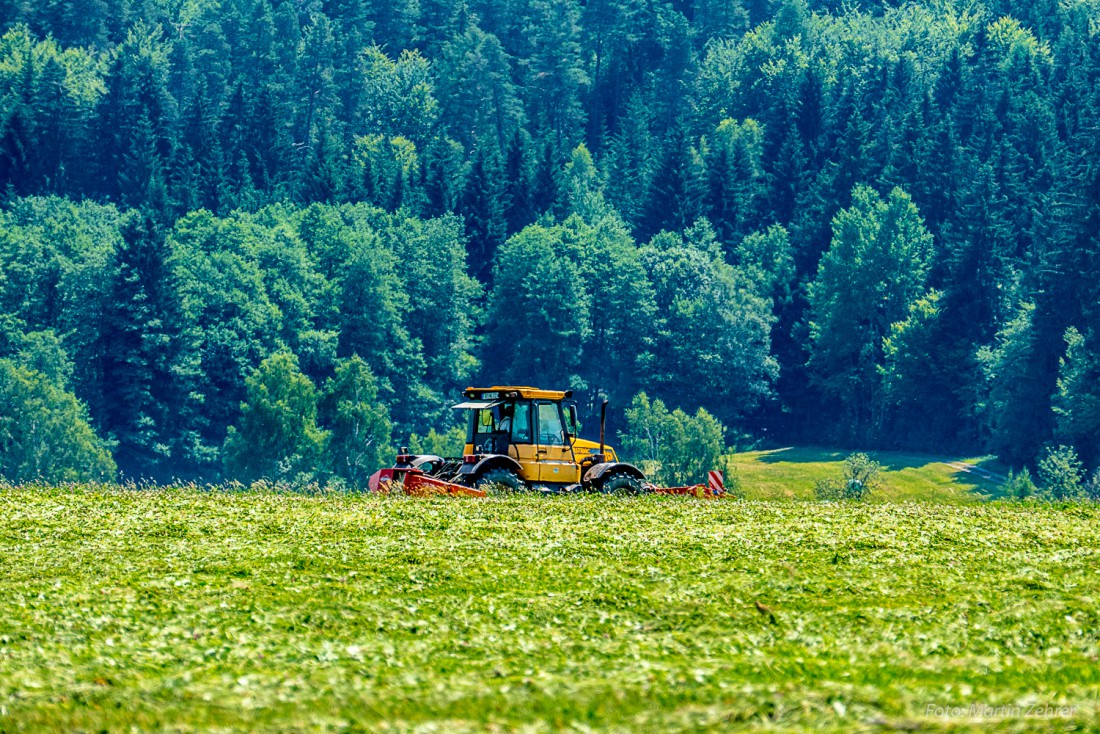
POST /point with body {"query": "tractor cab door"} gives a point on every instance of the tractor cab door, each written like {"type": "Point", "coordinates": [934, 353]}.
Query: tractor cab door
{"type": "Point", "coordinates": [488, 431]}
{"type": "Point", "coordinates": [523, 448]}
{"type": "Point", "coordinates": [555, 452]}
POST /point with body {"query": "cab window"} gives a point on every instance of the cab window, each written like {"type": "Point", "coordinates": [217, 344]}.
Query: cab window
{"type": "Point", "coordinates": [481, 426]}
{"type": "Point", "coordinates": [550, 428]}
{"type": "Point", "coordinates": [521, 423]}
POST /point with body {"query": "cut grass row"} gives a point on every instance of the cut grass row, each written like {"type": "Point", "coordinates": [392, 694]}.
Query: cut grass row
{"type": "Point", "coordinates": [181, 610]}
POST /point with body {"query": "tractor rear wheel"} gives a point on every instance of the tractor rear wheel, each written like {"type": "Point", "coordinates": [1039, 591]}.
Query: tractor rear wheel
{"type": "Point", "coordinates": [500, 481]}
{"type": "Point", "coordinates": [621, 483]}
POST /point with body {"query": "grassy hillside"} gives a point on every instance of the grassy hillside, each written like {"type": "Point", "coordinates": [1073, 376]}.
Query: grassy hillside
{"type": "Point", "coordinates": [792, 472]}
{"type": "Point", "coordinates": [184, 611]}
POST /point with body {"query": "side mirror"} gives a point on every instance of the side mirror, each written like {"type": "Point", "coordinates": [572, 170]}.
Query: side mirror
{"type": "Point", "coordinates": [572, 430]}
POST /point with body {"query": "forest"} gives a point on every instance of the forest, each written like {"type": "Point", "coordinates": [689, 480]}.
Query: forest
{"type": "Point", "coordinates": [256, 238]}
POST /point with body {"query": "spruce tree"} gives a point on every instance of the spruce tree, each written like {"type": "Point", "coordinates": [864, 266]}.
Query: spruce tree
{"type": "Point", "coordinates": [483, 206]}
{"type": "Point", "coordinates": [518, 173]}
{"type": "Point", "coordinates": [676, 193]}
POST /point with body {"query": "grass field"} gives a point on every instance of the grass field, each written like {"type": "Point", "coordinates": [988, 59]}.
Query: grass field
{"type": "Point", "coordinates": [181, 610]}
{"type": "Point", "coordinates": [791, 473]}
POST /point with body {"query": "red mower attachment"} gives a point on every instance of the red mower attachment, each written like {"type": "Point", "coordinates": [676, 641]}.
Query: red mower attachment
{"type": "Point", "coordinates": [713, 489]}
{"type": "Point", "coordinates": [416, 483]}
{"type": "Point", "coordinates": [696, 490]}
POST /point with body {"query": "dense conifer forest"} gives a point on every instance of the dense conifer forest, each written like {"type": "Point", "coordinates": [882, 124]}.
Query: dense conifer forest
{"type": "Point", "coordinates": [261, 238]}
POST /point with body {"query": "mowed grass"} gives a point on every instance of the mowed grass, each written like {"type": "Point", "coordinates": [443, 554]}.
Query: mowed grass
{"type": "Point", "coordinates": [182, 610]}
{"type": "Point", "coordinates": [792, 472]}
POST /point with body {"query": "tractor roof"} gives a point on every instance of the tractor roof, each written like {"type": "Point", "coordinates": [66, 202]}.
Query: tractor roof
{"type": "Point", "coordinates": [513, 392]}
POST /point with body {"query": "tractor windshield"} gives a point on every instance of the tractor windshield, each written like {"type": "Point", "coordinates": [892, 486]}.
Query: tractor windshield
{"type": "Point", "coordinates": [551, 430]}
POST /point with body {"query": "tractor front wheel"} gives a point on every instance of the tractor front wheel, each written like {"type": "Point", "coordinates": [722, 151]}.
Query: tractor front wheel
{"type": "Point", "coordinates": [621, 483]}
{"type": "Point", "coordinates": [500, 481]}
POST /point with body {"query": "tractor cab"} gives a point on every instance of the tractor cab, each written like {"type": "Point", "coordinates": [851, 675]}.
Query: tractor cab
{"type": "Point", "coordinates": [494, 427]}
{"type": "Point", "coordinates": [536, 429]}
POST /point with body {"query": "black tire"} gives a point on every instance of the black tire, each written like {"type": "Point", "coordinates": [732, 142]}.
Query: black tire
{"type": "Point", "coordinates": [621, 484]}
{"type": "Point", "coordinates": [500, 481]}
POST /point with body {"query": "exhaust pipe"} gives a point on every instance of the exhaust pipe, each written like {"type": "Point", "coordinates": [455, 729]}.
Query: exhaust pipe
{"type": "Point", "coordinates": [603, 428]}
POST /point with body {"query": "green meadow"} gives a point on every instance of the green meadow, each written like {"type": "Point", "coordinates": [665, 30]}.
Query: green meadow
{"type": "Point", "coordinates": [790, 473]}
{"type": "Point", "coordinates": [185, 610]}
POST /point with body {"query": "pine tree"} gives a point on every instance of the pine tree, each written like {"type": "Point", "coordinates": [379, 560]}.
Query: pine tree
{"type": "Point", "coordinates": [397, 24]}
{"type": "Point", "coordinates": [15, 153]}
{"type": "Point", "coordinates": [212, 59]}
{"type": "Point", "coordinates": [555, 76]}
{"type": "Point", "coordinates": [206, 186]}
{"type": "Point", "coordinates": [137, 120]}
{"type": "Point", "coordinates": [315, 89]}
{"type": "Point", "coordinates": [143, 179]}
{"type": "Point", "coordinates": [476, 92]}
{"type": "Point", "coordinates": [628, 160]}
{"type": "Point", "coordinates": [735, 179]}
{"type": "Point", "coordinates": [443, 176]}
{"type": "Point", "coordinates": [676, 193]}
{"type": "Point", "coordinates": [352, 31]}
{"type": "Point", "coordinates": [518, 173]}
{"type": "Point", "coordinates": [611, 29]}
{"type": "Point", "coordinates": [547, 191]}
{"type": "Point", "coordinates": [323, 178]}
{"type": "Point", "coordinates": [135, 346]}
{"type": "Point", "coordinates": [483, 207]}
{"type": "Point", "coordinates": [716, 19]}
{"type": "Point", "coordinates": [72, 22]}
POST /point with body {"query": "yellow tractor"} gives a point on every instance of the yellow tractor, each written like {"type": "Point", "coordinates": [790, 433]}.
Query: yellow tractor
{"type": "Point", "coordinates": [521, 438]}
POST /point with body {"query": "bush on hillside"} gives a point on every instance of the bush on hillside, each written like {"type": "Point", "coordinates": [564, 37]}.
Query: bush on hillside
{"type": "Point", "coordinates": [1092, 486]}
{"type": "Point", "coordinates": [45, 433]}
{"type": "Point", "coordinates": [1019, 486]}
{"type": "Point", "coordinates": [861, 477]}
{"type": "Point", "coordinates": [673, 448]}
{"type": "Point", "coordinates": [1060, 474]}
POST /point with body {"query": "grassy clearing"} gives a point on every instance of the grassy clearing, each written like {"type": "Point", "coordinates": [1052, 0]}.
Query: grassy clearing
{"type": "Point", "coordinates": [791, 473]}
{"type": "Point", "coordinates": [184, 611]}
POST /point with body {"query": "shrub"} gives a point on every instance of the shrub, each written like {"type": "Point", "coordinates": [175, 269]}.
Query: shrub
{"type": "Point", "coordinates": [1092, 486]}
{"type": "Point", "coordinates": [1019, 486]}
{"type": "Point", "coordinates": [862, 476]}
{"type": "Point", "coordinates": [1060, 474]}
{"type": "Point", "coordinates": [45, 432]}
{"type": "Point", "coordinates": [673, 448]}
{"type": "Point", "coordinates": [829, 490]}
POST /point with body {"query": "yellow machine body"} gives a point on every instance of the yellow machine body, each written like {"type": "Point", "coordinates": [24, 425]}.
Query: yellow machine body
{"type": "Point", "coordinates": [535, 428]}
